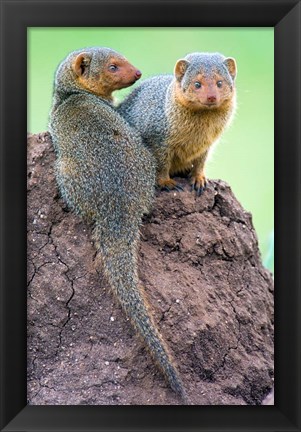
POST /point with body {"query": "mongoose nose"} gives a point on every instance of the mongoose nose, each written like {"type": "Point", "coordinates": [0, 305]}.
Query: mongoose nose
{"type": "Point", "coordinates": [211, 99]}
{"type": "Point", "coordinates": [138, 74]}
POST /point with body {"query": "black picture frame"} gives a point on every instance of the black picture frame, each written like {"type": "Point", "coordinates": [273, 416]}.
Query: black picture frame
{"type": "Point", "coordinates": [16, 16]}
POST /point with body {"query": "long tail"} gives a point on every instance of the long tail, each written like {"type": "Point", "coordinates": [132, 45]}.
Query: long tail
{"type": "Point", "coordinates": [120, 267]}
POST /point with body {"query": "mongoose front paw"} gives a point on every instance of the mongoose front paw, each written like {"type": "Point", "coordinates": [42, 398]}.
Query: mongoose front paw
{"type": "Point", "coordinates": [167, 184]}
{"type": "Point", "coordinates": [198, 183]}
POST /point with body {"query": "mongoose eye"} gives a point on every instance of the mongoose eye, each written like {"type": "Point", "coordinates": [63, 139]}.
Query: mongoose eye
{"type": "Point", "coordinates": [197, 85]}
{"type": "Point", "coordinates": [113, 68]}
{"type": "Point", "coordinates": [219, 84]}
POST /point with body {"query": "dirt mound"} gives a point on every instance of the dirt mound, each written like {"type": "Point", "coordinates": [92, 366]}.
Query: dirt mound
{"type": "Point", "coordinates": [200, 267]}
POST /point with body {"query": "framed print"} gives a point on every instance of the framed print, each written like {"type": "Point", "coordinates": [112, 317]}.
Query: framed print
{"type": "Point", "coordinates": [80, 365]}
{"type": "Point", "coordinates": [208, 293]}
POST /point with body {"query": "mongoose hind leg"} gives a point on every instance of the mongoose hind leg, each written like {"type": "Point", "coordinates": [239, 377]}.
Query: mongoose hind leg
{"type": "Point", "coordinates": [164, 182]}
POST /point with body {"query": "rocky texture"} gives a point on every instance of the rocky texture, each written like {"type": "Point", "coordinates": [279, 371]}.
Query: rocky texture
{"type": "Point", "coordinates": [209, 293]}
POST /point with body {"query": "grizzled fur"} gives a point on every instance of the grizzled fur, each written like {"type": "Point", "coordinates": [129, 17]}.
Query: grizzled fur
{"type": "Point", "coordinates": [180, 122]}
{"type": "Point", "coordinates": [106, 176]}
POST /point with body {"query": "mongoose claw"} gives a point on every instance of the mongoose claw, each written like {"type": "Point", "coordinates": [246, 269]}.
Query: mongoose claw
{"type": "Point", "coordinates": [167, 184]}
{"type": "Point", "coordinates": [199, 191]}
{"type": "Point", "coordinates": [174, 188]}
{"type": "Point", "coordinates": [198, 184]}
{"type": "Point", "coordinates": [179, 188]}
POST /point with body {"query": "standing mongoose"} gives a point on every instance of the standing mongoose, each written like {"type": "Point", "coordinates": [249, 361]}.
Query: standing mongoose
{"type": "Point", "coordinates": [179, 117]}
{"type": "Point", "coordinates": [107, 177]}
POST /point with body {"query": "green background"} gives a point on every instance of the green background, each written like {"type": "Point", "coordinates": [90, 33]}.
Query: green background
{"type": "Point", "coordinates": [244, 156]}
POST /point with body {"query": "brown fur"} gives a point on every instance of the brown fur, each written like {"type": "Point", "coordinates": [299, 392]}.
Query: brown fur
{"type": "Point", "coordinates": [103, 82]}
{"type": "Point", "coordinates": [179, 117]}
{"type": "Point", "coordinates": [192, 132]}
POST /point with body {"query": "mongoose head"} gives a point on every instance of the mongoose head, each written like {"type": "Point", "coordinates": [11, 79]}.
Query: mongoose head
{"type": "Point", "coordinates": [205, 81]}
{"type": "Point", "coordinates": [98, 70]}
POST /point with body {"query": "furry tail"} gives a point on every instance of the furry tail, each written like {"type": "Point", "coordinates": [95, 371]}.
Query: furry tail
{"type": "Point", "coordinates": [120, 267]}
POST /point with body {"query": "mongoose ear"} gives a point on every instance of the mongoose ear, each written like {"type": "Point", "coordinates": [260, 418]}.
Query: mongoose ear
{"type": "Point", "coordinates": [180, 68]}
{"type": "Point", "coordinates": [81, 63]}
{"type": "Point", "coordinates": [230, 64]}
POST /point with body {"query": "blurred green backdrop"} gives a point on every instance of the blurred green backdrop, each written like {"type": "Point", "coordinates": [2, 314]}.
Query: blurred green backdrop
{"type": "Point", "coordinates": [244, 156]}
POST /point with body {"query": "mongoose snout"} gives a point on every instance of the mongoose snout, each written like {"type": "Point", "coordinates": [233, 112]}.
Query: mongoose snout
{"type": "Point", "coordinates": [211, 99]}
{"type": "Point", "coordinates": [138, 74]}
